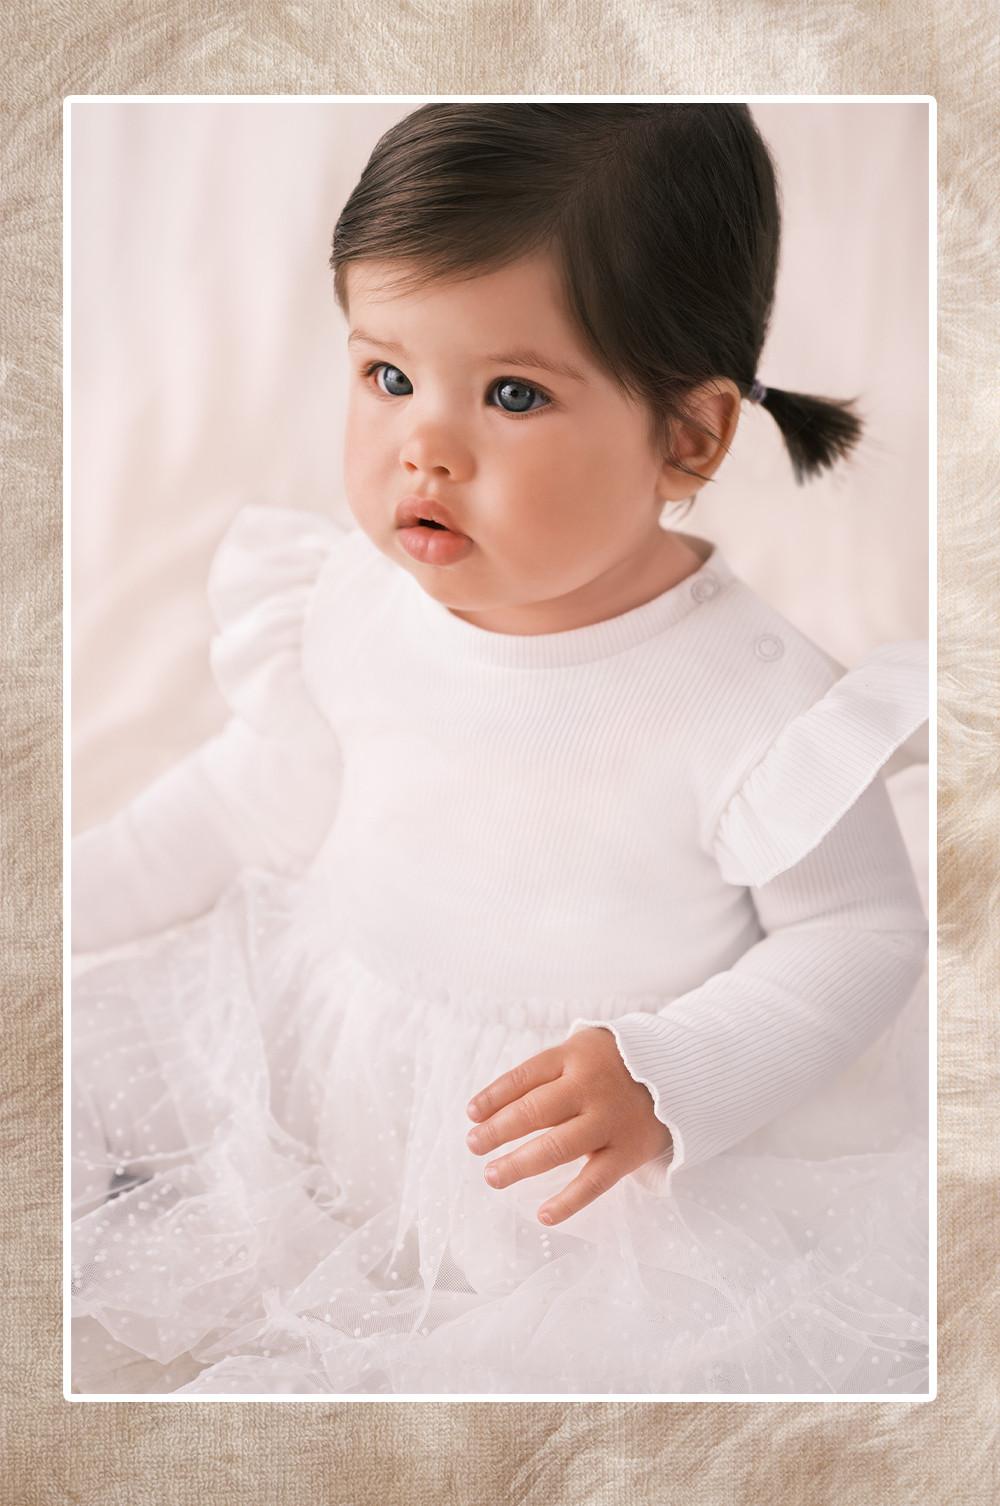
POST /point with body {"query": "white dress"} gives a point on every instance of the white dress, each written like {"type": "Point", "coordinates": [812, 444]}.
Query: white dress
{"type": "Point", "coordinates": [419, 853]}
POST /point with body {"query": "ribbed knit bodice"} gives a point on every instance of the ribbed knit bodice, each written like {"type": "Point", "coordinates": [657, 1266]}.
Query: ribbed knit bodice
{"type": "Point", "coordinates": [533, 815]}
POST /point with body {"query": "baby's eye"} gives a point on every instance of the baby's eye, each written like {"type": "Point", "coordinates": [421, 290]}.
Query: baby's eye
{"type": "Point", "coordinates": [391, 371]}
{"type": "Point", "coordinates": [518, 391]}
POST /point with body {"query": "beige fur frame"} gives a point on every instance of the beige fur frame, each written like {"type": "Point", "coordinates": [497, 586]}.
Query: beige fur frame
{"type": "Point", "coordinates": [590, 1452]}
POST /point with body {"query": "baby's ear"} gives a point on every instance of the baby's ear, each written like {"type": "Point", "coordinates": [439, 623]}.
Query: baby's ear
{"type": "Point", "coordinates": [700, 438]}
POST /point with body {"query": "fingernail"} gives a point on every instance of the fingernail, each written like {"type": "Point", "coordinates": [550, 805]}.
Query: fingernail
{"type": "Point", "coordinates": [546, 1218]}
{"type": "Point", "coordinates": [472, 1109]}
{"type": "Point", "coordinates": [492, 1175]}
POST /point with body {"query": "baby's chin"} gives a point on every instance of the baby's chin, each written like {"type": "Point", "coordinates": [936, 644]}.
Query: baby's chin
{"type": "Point", "coordinates": [485, 586]}
{"type": "Point", "coordinates": [514, 612]}
{"type": "Point", "coordinates": [467, 594]}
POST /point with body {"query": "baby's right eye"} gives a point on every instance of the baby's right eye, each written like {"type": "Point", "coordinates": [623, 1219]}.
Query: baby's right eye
{"type": "Point", "coordinates": [374, 366]}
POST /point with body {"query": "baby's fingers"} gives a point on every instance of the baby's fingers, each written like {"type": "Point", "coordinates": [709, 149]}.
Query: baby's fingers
{"type": "Point", "coordinates": [543, 1067]}
{"type": "Point", "coordinates": [540, 1108]}
{"type": "Point", "coordinates": [603, 1169]}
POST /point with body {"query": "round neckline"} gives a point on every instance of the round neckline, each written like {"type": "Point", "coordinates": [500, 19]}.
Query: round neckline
{"type": "Point", "coordinates": [596, 640]}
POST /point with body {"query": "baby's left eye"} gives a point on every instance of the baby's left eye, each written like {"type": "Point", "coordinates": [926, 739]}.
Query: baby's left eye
{"type": "Point", "coordinates": [518, 391]}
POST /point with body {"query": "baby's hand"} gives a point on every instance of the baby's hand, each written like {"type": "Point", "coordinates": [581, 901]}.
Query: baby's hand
{"type": "Point", "coordinates": [582, 1088]}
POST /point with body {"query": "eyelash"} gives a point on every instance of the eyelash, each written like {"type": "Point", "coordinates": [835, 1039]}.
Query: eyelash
{"type": "Point", "coordinates": [368, 371]}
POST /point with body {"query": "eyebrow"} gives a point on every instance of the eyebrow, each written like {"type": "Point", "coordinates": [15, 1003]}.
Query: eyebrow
{"type": "Point", "coordinates": [520, 357]}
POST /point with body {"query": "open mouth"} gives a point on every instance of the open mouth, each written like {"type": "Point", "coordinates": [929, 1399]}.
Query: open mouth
{"type": "Point", "coordinates": [432, 543]}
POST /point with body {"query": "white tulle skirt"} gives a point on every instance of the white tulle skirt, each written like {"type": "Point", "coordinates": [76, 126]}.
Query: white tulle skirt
{"type": "Point", "coordinates": [272, 1194]}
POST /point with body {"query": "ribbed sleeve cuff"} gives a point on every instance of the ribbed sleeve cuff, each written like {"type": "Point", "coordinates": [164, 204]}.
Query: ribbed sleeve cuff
{"type": "Point", "coordinates": [644, 1058]}
{"type": "Point", "coordinates": [730, 1056]}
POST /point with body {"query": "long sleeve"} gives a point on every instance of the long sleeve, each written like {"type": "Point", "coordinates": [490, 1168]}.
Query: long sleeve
{"type": "Point", "coordinates": [812, 835]}
{"type": "Point", "coordinates": [262, 791]}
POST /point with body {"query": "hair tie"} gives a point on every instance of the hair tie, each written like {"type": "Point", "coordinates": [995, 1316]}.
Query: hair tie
{"type": "Point", "coordinates": [757, 393]}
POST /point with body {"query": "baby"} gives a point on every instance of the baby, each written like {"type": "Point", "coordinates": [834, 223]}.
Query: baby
{"type": "Point", "coordinates": [593, 551]}
{"type": "Point", "coordinates": [521, 795]}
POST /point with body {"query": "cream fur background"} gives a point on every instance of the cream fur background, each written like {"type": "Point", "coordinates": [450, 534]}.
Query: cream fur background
{"type": "Point", "coordinates": [591, 1452]}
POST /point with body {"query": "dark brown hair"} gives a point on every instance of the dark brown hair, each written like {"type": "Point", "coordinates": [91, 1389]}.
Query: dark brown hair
{"type": "Point", "coordinates": [663, 220]}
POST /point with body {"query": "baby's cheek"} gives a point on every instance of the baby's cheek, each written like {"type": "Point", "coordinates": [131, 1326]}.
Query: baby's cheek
{"type": "Point", "coordinates": [355, 468]}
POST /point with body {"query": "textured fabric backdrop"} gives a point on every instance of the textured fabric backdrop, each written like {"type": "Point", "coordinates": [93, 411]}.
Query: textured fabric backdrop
{"type": "Point", "coordinates": [590, 1452]}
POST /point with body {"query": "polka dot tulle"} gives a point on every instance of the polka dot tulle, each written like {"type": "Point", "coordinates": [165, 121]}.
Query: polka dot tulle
{"type": "Point", "coordinates": [272, 1194]}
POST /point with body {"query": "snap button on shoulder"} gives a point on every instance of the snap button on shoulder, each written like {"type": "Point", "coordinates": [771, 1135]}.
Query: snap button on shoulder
{"type": "Point", "coordinates": [704, 587]}
{"type": "Point", "coordinates": [769, 647]}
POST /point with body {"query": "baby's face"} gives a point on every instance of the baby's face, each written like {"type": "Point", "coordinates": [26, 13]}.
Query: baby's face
{"type": "Point", "coordinates": [550, 475]}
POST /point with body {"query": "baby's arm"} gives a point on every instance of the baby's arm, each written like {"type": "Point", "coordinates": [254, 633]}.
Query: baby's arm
{"type": "Point", "coordinates": [239, 799]}
{"type": "Point", "coordinates": [810, 835]}
{"type": "Point", "coordinates": [263, 791]}
{"type": "Point", "coordinates": [847, 940]}
{"type": "Point", "coordinates": [845, 945]}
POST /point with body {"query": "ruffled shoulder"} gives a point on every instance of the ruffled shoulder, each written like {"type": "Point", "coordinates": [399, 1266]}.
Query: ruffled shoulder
{"type": "Point", "coordinates": [820, 764]}
{"type": "Point", "coordinates": [260, 583]}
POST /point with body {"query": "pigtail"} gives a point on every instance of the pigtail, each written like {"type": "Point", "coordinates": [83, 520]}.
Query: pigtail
{"type": "Point", "coordinates": [817, 431]}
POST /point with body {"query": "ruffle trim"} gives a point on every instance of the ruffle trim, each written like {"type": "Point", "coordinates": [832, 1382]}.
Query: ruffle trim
{"type": "Point", "coordinates": [260, 583]}
{"type": "Point", "coordinates": [821, 763]}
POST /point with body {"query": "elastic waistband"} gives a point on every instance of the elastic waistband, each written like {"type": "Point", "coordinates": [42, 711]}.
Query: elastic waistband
{"type": "Point", "coordinates": [470, 1006]}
